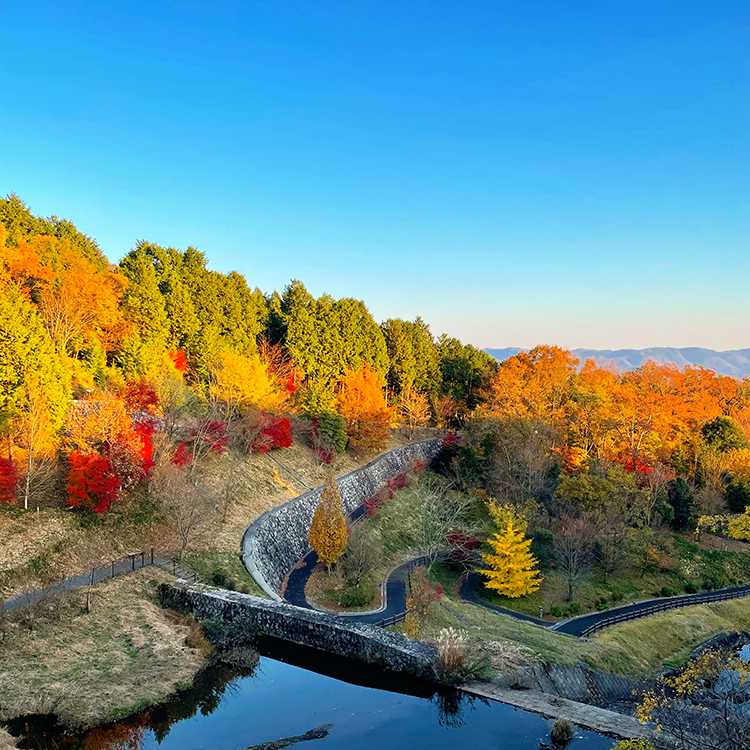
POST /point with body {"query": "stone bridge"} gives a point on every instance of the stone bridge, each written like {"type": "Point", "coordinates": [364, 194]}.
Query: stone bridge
{"type": "Point", "coordinates": [308, 627]}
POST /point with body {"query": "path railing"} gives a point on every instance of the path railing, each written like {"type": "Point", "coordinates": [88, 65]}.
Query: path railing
{"type": "Point", "coordinates": [392, 620]}
{"type": "Point", "coordinates": [667, 604]}
{"type": "Point", "coordinates": [120, 566]}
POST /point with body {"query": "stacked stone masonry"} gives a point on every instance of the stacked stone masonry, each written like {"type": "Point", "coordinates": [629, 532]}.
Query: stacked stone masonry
{"type": "Point", "coordinates": [277, 540]}
{"type": "Point", "coordinates": [311, 628]}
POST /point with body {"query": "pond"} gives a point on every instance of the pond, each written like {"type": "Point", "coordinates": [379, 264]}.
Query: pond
{"type": "Point", "coordinates": [292, 690]}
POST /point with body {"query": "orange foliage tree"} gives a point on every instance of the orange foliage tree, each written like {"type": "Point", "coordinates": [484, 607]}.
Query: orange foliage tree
{"type": "Point", "coordinates": [363, 405]}
{"type": "Point", "coordinates": [328, 533]}
{"type": "Point", "coordinates": [534, 384]}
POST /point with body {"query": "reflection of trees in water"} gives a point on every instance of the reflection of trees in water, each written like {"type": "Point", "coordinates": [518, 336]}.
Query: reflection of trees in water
{"type": "Point", "coordinates": [452, 704]}
{"type": "Point", "coordinates": [204, 696]}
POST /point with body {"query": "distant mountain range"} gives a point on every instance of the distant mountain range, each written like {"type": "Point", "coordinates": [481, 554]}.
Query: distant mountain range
{"type": "Point", "coordinates": [735, 362]}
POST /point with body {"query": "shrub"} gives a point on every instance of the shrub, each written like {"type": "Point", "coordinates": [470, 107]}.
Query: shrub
{"type": "Point", "coordinates": [219, 577]}
{"type": "Point", "coordinates": [561, 732]}
{"type": "Point", "coordinates": [331, 431]}
{"type": "Point", "coordinates": [692, 588]}
{"type": "Point", "coordinates": [575, 608]}
{"type": "Point", "coordinates": [666, 591]}
{"type": "Point", "coordinates": [8, 481]}
{"type": "Point", "coordinates": [92, 483]}
{"type": "Point", "coordinates": [357, 595]}
{"type": "Point", "coordinates": [557, 611]}
{"type": "Point", "coordinates": [602, 607]}
{"type": "Point", "coordinates": [459, 660]}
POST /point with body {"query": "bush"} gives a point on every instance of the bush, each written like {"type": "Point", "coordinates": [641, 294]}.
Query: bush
{"type": "Point", "coordinates": [557, 611]}
{"type": "Point", "coordinates": [692, 588]}
{"type": "Point", "coordinates": [561, 732]}
{"type": "Point", "coordinates": [459, 660]}
{"type": "Point", "coordinates": [602, 607]}
{"type": "Point", "coordinates": [574, 608]}
{"type": "Point", "coordinates": [666, 591]}
{"type": "Point", "coordinates": [219, 577]}
{"type": "Point", "coordinates": [357, 595]}
{"type": "Point", "coordinates": [332, 431]}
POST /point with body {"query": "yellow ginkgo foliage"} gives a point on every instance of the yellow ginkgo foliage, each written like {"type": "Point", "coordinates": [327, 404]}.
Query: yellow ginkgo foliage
{"type": "Point", "coordinates": [513, 570]}
{"type": "Point", "coordinates": [739, 526]}
{"type": "Point", "coordinates": [328, 534]}
{"type": "Point", "coordinates": [239, 381]}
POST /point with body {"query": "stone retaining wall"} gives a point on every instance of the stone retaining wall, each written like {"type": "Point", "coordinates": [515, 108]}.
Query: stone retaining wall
{"type": "Point", "coordinates": [273, 543]}
{"type": "Point", "coordinates": [577, 683]}
{"type": "Point", "coordinates": [311, 628]}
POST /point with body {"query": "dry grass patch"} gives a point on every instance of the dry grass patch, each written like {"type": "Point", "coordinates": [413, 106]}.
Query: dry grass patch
{"type": "Point", "coordinates": [93, 667]}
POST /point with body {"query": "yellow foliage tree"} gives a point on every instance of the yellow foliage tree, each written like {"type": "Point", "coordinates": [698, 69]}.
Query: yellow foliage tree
{"type": "Point", "coordinates": [238, 381]}
{"type": "Point", "coordinates": [513, 570]}
{"type": "Point", "coordinates": [328, 534]}
{"type": "Point", "coordinates": [504, 513]}
{"type": "Point", "coordinates": [739, 526]}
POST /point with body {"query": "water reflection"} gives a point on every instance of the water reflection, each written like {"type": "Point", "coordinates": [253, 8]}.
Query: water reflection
{"type": "Point", "coordinates": [300, 689]}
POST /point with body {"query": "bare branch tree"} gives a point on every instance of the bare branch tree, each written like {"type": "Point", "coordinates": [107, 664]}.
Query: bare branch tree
{"type": "Point", "coordinates": [573, 551]}
{"type": "Point", "coordinates": [189, 503]}
{"type": "Point", "coordinates": [442, 512]}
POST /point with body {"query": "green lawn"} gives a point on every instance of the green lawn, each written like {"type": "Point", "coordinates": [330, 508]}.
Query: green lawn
{"type": "Point", "coordinates": [704, 569]}
{"type": "Point", "coordinates": [223, 569]}
{"type": "Point", "coordinates": [639, 648]}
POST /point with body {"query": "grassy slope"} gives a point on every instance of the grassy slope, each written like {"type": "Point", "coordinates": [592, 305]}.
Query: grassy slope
{"type": "Point", "coordinates": [123, 655]}
{"type": "Point", "coordinates": [694, 564]}
{"type": "Point", "coordinates": [395, 518]}
{"type": "Point", "coordinates": [639, 648]}
{"type": "Point", "coordinates": [126, 652]}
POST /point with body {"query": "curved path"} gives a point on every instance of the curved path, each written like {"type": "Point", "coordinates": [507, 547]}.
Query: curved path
{"type": "Point", "coordinates": [394, 596]}
{"type": "Point", "coordinates": [395, 601]}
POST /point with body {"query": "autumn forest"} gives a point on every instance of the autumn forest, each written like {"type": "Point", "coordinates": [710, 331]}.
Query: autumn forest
{"type": "Point", "coordinates": [108, 371]}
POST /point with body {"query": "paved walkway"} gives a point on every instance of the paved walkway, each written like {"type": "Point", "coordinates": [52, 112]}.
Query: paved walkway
{"type": "Point", "coordinates": [578, 625]}
{"type": "Point", "coordinates": [102, 573]}
{"type": "Point", "coordinates": [395, 591]}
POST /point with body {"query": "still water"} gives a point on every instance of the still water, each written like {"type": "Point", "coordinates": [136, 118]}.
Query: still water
{"type": "Point", "coordinates": [293, 690]}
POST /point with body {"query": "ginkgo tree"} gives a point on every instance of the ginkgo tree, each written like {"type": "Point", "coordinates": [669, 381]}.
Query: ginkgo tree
{"type": "Point", "coordinates": [512, 570]}
{"type": "Point", "coordinates": [328, 533]}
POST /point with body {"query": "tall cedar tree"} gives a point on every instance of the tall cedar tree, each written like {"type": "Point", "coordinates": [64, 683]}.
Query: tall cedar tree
{"type": "Point", "coordinates": [513, 569]}
{"type": "Point", "coordinates": [328, 534]}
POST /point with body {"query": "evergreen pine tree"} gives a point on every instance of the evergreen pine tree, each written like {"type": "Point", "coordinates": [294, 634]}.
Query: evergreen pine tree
{"type": "Point", "coordinates": [513, 569]}
{"type": "Point", "coordinates": [328, 534]}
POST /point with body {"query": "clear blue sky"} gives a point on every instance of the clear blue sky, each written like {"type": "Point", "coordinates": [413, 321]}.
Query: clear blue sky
{"type": "Point", "coordinates": [515, 172]}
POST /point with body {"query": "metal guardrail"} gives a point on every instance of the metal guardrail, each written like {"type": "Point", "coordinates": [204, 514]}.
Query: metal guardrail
{"type": "Point", "coordinates": [392, 620]}
{"type": "Point", "coordinates": [665, 605]}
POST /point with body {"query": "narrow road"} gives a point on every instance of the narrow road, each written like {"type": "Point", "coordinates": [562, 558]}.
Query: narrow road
{"type": "Point", "coordinates": [395, 590]}
{"type": "Point", "coordinates": [578, 625]}
{"type": "Point", "coordinates": [469, 592]}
